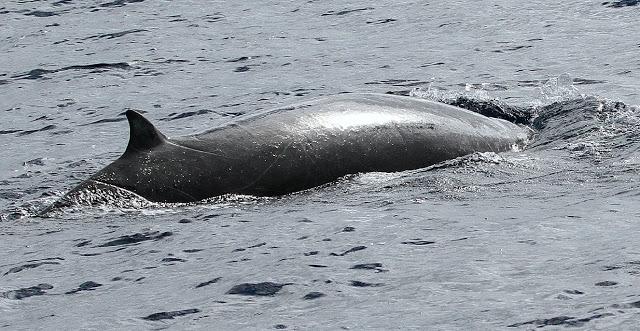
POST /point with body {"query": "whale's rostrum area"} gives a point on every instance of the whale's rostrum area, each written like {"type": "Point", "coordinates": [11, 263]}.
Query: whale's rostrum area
{"type": "Point", "coordinates": [298, 147]}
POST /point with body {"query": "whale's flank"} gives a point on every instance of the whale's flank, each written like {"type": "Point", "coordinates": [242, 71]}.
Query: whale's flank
{"type": "Point", "coordinates": [299, 147]}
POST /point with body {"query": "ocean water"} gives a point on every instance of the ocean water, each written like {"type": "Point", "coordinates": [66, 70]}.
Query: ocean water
{"type": "Point", "coordinates": [544, 237]}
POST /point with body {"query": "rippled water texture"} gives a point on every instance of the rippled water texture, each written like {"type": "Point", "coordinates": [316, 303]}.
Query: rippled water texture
{"type": "Point", "coordinates": [540, 238]}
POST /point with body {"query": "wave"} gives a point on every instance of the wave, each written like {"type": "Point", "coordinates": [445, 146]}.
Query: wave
{"type": "Point", "coordinates": [587, 126]}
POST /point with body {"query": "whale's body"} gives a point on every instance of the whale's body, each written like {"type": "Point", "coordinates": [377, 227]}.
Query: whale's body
{"type": "Point", "coordinates": [299, 147]}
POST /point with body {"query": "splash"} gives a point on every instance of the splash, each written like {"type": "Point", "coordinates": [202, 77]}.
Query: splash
{"type": "Point", "coordinates": [559, 88]}
{"type": "Point", "coordinates": [478, 101]}
{"type": "Point", "coordinates": [471, 160]}
{"type": "Point", "coordinates": [99, 195]}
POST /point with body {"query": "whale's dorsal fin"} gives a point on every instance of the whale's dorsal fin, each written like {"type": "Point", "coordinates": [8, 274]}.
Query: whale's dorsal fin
{"type": "Point", "coordinates": [142, 134]}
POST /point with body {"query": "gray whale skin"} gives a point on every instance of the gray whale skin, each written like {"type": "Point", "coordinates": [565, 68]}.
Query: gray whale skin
{"type": "Point", "coordinates": [298, 147]}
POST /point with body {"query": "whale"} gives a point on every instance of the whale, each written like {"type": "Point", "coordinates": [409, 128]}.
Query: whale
{"type": "Point", "coordinates": [297, 147]}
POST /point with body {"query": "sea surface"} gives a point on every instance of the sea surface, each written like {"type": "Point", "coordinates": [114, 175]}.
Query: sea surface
{"type": "Point", "coordinates": [540, 238]}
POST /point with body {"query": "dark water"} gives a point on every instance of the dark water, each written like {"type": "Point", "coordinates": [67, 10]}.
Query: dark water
{"type": "Point", "coordinates": [545, 237]}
